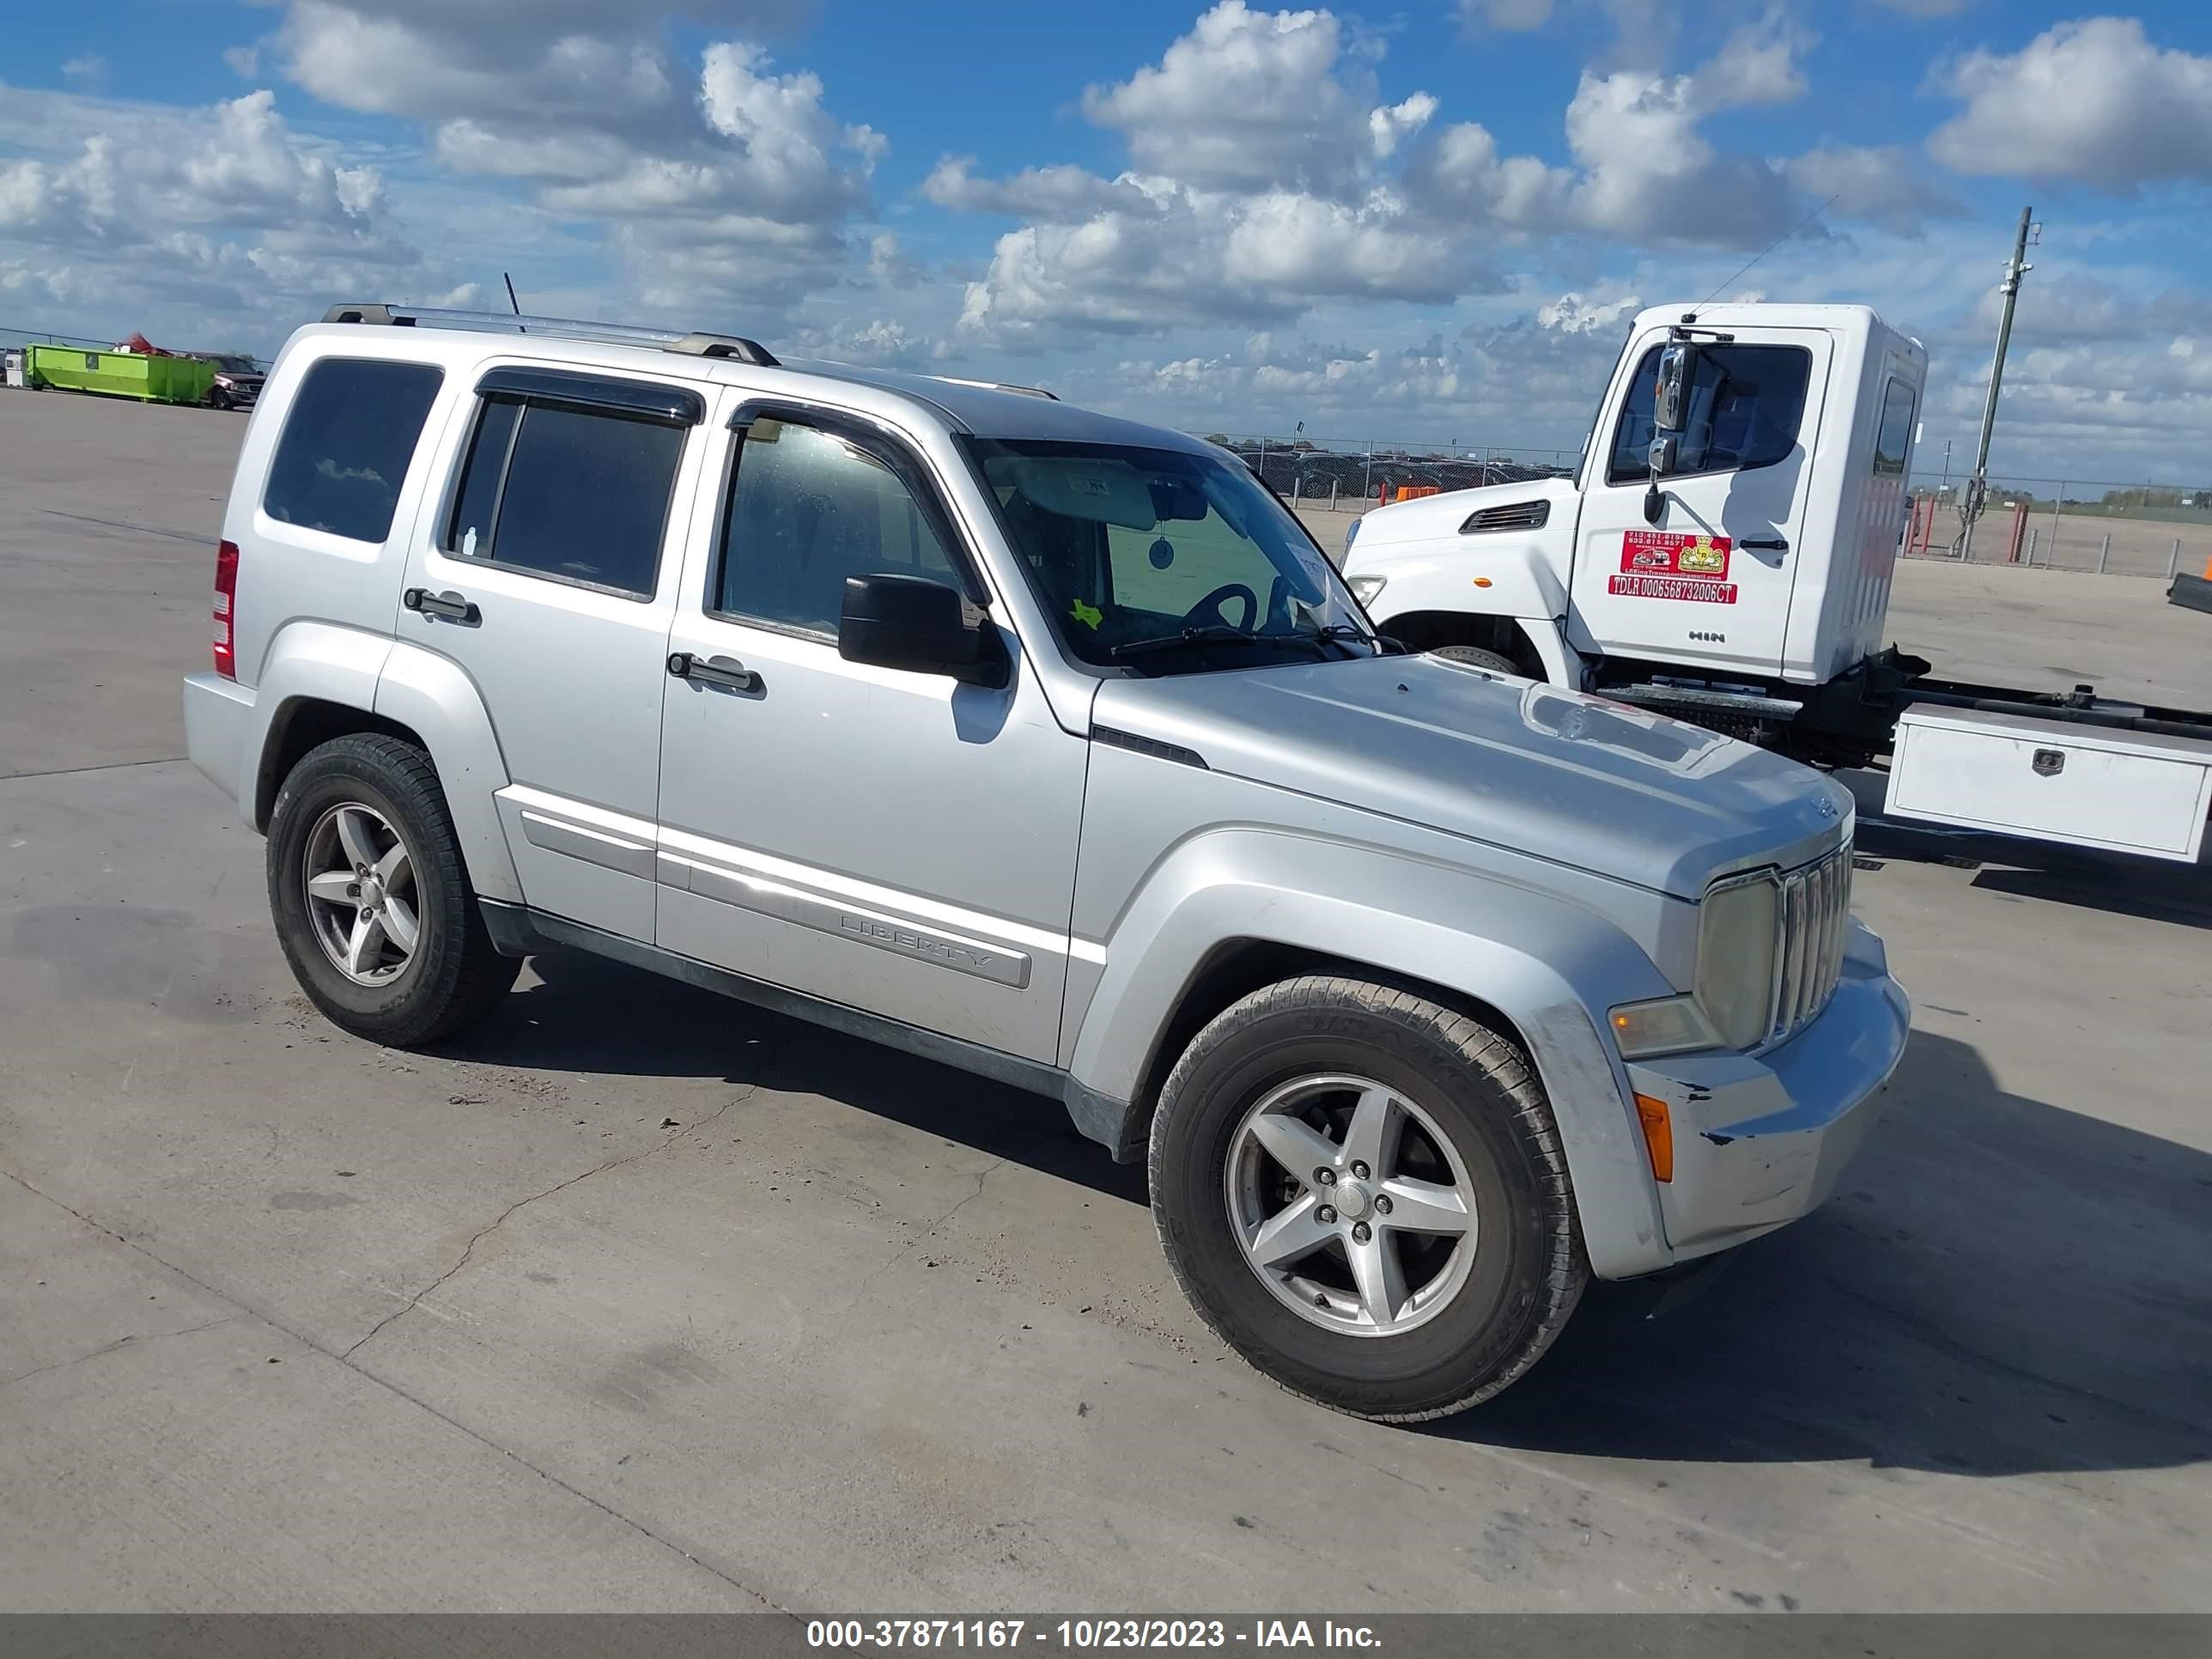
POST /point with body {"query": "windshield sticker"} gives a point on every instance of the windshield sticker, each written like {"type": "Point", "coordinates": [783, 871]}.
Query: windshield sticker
{"type": "Point", "coordinates": [1655, 564]}
{"type": "Point", "coordinates": [1088, 614]}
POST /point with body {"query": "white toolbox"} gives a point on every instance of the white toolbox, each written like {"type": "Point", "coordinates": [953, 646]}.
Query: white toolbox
{"type": "Point", "coordinates": [2014, 775]}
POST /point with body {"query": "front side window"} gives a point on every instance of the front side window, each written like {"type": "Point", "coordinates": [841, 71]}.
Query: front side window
{"type": "Point", "coordinates": [580, 494]}
{"type": "Point", "coordinates": [1746, 406]}
{"type": "Point", "coordinates": [808, 508]}
{"type": "Point", "coordinates": [348, 438]}
{"type": "Point", "coordinates": [1164, 560]}
{"type": "Point", "coordinates": [1894, 441]}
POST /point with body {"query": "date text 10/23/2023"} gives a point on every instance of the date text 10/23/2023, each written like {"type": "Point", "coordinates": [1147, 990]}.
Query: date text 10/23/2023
{"type": "Point", "coordinates": [1086, 1634]}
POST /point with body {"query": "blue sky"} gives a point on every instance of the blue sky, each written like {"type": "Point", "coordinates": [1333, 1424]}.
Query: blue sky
{"type": "Point", "coordinates": [1423, 224]}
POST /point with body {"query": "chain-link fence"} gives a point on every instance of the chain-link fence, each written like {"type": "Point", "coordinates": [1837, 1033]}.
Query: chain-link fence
{"type": "Point", "coordinates": [2120, 529]}
{"type": "Point", "coordinates": [2063, 524]}
{"type": "Point", "coordinates": [23, 336]}
{"type": "Point", "coordinates": [1351, 475]}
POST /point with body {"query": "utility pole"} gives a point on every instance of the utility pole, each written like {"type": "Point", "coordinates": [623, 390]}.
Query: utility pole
{"type": "Point", "coordinates": [1978, 485]}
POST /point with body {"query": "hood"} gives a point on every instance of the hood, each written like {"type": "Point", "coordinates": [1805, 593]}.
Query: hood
{"type": "Point", "coordinates": [239, 377]}
{"type": "Point", "coordinates": [1426, 517]}
{"type": "Point", "coordinates": [1575, 779]}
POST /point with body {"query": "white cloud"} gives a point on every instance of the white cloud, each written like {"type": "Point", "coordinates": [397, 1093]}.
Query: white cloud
{"type": "Point", "coordinates": [1196, 256]}
{"type": "Point", "coordinates": [1644, 172]}
{"type": "Point", "coordinates": [244, 62]}
{"type": "Point", "coordinates": [877, 342]}
{"type": "Point", "coordinates": [1887, 186]}
{"type": "Point", "coordinates": [709, 177]}
{"type": "Point", "coordinates": [1246, 99]}
{"type": "Point", "coordinates": [88, 72]}
{"type": "Point", "coordinates": [1256, 190]}
{"type": "Point", "coordinates": [1927, 7]}
{"type": "Point", "coordinates": [179, 213]}
{"type": "Point", "coordinates": [1510, 15]}
{"type": "Point", "coordinates": [1758, 63]}
{"type": "Point", "coordinates": [1387, 128]}
{"type": "Point", "coordinates": [2092, 101]}
{"type": "Point", "coordinates": [1058, 195]}
{"type": "Point", "coordinates": [1571, 313]}
{"type": "Point", "coordinates": [889, 263]}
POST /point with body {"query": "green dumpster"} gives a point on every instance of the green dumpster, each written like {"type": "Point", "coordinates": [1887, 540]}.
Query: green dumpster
{"type": "Point", "coordinates": [120, 373]}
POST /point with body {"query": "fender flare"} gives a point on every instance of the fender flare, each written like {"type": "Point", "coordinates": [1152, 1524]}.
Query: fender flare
{"type": "Point", "coordinates": [306, 661]}
{"type": "Point", "coordinates": [430, 694]}
{"type": "Point", "coordinates": [1549, 966]}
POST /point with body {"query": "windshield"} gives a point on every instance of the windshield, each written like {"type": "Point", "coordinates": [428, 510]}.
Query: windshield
{"type": "Point", "coordinates": [1166, 562]}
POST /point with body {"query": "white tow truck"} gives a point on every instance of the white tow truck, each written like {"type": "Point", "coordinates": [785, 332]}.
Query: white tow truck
{"type": "Point", "coordinates": [1724, 555]}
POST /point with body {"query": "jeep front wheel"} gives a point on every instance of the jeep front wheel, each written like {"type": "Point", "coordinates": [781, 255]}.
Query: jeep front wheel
{"type": "Point", "coordinates": [1363, 1193]}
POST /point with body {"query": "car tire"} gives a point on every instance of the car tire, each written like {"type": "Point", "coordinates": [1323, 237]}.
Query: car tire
{"type": "Point", "coordinates": [1475, 657]}
{"type": "Point", "coordinates": [218, 398]}
{"type": "Point", "coordinates": [1481, 1119]}
{"type": "Point", "coordinates": [399, 985]}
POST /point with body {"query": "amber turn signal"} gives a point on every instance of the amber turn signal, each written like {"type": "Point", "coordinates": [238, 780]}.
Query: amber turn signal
{"type": "Point", "coordinates": [1658, 1135]}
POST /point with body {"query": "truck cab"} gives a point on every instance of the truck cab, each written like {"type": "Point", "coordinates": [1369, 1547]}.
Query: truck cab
{"type": "Point", "coordinates": [1758, 553]}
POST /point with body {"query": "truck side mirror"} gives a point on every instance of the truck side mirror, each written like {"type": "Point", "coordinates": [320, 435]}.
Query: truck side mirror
{"type": "Point", "coordinates": [1670, 398]}
{"type": "Point", "coordinates": [1670, 403]}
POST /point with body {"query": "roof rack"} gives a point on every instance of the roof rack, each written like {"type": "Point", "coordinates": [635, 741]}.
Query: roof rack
{"type": "Point", "coordinates": [668, 339]}
{"type": "Point", "coordinates": [997, 385]}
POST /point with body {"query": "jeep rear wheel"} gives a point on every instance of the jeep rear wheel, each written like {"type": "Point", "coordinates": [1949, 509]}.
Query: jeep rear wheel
{"type": "Point", "coordinates": [1363, 1193]}
{"type": "Point", "coordinates": [371, 898]}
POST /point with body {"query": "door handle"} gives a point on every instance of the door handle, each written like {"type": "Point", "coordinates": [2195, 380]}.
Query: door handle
{"type": "Point", "coordinates": [1771, 545]}
{"type": "Point", "coordinates": [714, 671]}
{"type": "Point", "coordinates": [453, 607]}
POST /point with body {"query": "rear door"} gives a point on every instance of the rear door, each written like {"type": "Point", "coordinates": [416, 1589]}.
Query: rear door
{"type": "Point", "coordinates": [1711, 582]}
{"type": "Point", "coordinates": [545, 568]}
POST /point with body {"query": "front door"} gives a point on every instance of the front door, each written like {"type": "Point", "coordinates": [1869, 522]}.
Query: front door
{"type": "Point", "coordinates": [546, 569]}
{"type": "Point", "coordinates": [899, 842]}
{"type": "Point", "coordinates": [1711, 581]}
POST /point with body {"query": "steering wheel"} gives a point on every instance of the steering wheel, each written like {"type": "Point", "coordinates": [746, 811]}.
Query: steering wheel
{"type": "Point", "coordinates": [1209, 610]}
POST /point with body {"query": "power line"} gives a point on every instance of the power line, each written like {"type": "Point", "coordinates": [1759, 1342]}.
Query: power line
{"type": "Point", "coordinates": [1769, 248]}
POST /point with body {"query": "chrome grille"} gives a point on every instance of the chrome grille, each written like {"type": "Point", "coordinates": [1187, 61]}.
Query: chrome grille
{"type": "Point", "coordinates": [1815, 909]}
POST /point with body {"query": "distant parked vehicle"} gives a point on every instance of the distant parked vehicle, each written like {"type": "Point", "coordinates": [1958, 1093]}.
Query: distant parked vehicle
{"type": "Point", "coordinates": [237, 382]}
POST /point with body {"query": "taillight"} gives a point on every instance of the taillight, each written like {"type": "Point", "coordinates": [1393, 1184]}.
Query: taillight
{"type": "Point", "coordinates": [226, 605]}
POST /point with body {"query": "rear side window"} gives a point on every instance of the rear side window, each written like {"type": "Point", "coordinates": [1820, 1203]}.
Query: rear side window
{"type": "Point", "coordinates": [1746, 406]}
{"type": "Point", "coordinates": [577, 494]}
{"type": "Point", "coordinates": [1895, 437]}
{"type": "Point", "coordinates": [348, 438]}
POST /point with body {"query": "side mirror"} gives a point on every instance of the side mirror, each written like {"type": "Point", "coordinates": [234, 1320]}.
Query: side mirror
{"type": "Point", "coordinates": [1670, 398]}
{"type": "Point", "coordinates": [1670, 408]}
{"type": "Point", "coordinates": [921, 626]}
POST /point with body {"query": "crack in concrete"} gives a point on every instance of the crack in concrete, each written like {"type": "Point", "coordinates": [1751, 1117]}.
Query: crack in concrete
{"type": "Point", "coordinates": [247, 1312]}
{"type": "Point", "coordinates": [120, 1342]}
{"type": "Point", "coordinates": [500, 1221]}
{"type": "Point", "coordinates": [79, 771]}
{"type": "Point", "coordinates": [923, 1236]}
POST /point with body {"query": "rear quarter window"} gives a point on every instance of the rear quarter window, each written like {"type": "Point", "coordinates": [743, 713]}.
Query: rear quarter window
{"type": "Point", "coordinates": [347, 442]}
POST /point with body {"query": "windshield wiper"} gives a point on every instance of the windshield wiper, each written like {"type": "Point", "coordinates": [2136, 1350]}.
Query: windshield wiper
{"type": "Point", "coordinates": [1210, 634]}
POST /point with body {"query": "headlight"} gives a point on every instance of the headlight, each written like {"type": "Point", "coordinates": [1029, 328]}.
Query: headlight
{"type": "Point", "coordinates": [1673, 1025]}
{"type": "Point", "coordinates": [1367, 589]}
{"type": "Point", "coordinates": [1737, 936]}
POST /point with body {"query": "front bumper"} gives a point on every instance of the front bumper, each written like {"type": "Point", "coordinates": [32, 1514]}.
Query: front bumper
{"type": "Point", "coordinates": [1759, 1141]}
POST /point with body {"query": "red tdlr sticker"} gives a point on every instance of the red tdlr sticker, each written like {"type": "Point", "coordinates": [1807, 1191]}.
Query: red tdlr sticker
{"type": "Point", "coordinates": [1655, 564]}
